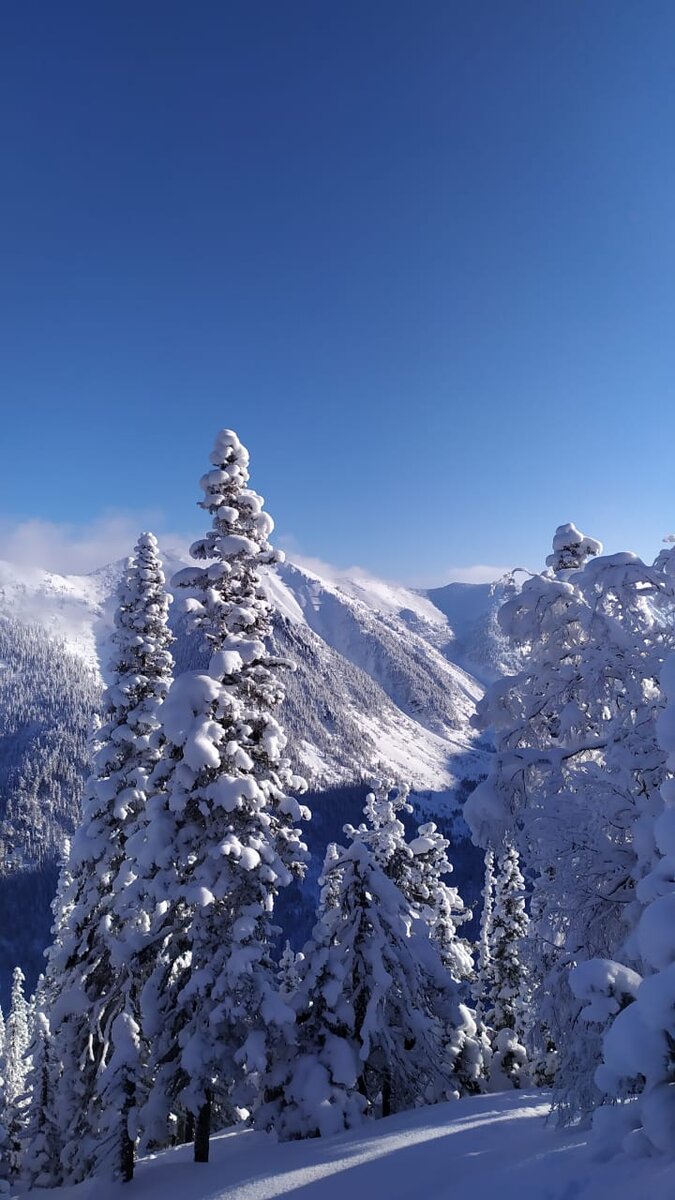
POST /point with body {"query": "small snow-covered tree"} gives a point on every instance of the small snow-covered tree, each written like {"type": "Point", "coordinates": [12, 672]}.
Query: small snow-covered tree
{"type": "Point", "coordinates": [288, 975]}
{"type": "Point", "coordinates": [329, 879]}
{"type": "Point", "coordinates": [419, 870]}
{"type": "Point", "coordinates": [442, 909]}
{"type": "Point", "coordinates": [17, 1039]}
{"type": "Point", "coordinates": [311, 1086]}
{"type": "Point", "coordinates": [48, 1091]}
{"type": "Point", "coordinates": [384, 830]}
{"type": "Point", "coordinates": [7, 1155]}
{"type": "Point", "coordinates": [365, 1030]}
{"type": "Point", "coordinates": [90, 983]}
{"type": "Point", "coordinates": [571, 549]}
{"type": "Point", "coordinates": [483, 983]}
{"type": "Point", "coordinates": [15, 1065]}
{"type": "Point", "coordinates": [39, 1137]}
{"type": "Point", "coordinates": [439, 905]}
{"type": "Point", "coordinates": [507, 1015]}
{"type": "Point", "coordinates": [222, 834]}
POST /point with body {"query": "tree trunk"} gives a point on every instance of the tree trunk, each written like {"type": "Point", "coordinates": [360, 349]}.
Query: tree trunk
{"type": "Point", "coordinates": [203, 1131]}
{"type": "Point", "coordinates": [126, 1157]}
{"type": "Point", "coordinates": [386, 1096]}
{"type": "Point", "coordinates": [127, 1144]}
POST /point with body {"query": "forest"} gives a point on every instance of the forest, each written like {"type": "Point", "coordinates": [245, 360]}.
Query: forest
{"type": "Point", "coordinates": [200, 977]}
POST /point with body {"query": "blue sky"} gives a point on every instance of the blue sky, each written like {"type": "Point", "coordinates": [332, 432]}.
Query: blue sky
{"type": "Point", "coordinates": [420, 256]}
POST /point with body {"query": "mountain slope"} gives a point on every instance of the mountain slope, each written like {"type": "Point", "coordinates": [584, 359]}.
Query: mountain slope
{"type": "Point", "coordinates": [372, 684]}
{"type": "Point", "coordinates": [374, 691]}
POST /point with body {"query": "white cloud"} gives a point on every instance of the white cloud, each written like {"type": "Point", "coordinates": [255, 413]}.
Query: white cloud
{"type": "Point", "coordinates": [75, 549]}
{"type": "Point", "coordinates": [478, 573]}
{"type": "Point", "coordinates": [326, 570]}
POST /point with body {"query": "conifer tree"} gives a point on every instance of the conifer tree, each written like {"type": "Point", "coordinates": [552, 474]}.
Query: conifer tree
{"type": "Point", "coordinates": [222, 830]}
{"type": "Point", "coordinates": [310, 1088]}
{"type": "Point", "coordinates": [419, 870]}
{"type": "Point", "coordinates": [288, 975]}
{"type": "Point", "coordinates": [576, 775]}
{"type": "Point", "coordinates": [329, 879]}
{"type": "Point", "coordinates": [39, 1138]}
{"type": "Point", "coordinates": [571, 549]}
{"type": "Point", "coordinates": [49, 1091]}
{"type": "Point", "coordinates": [507, 1015]}
{"type": "Point", "coordinates": [17, 1039]}
{"type": "Point", "coordinates": [384, 830]}
{"type": "Point", "coordinates": [15, 1064]}
{"type": "Point", "coordinates": [638, 1008]}
{"type": "Point", "coordinates": [367, 1039]}
{"type": "Point", "coordinates": [91, 988]}
{"type": "Point", "coordinates": [7, 1158]}
{"type": "Point", "coordinates": [442, 909]}
{"type": "Point", "coordinates": [483, 982]}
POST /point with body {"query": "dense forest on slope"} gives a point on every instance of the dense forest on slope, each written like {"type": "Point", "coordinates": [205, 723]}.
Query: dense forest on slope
{"type": "Point", "coordinates": [48, 699]}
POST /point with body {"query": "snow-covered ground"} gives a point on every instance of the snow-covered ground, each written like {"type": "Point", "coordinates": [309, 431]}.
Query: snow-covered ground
{"type": "Point", "coordinates": [497, 1147]}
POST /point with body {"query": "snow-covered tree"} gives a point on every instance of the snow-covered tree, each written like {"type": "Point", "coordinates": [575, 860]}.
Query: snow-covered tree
{"type": "Point", "coordinates": [483, 982]}
{"type": "Point", "coordinates": [384, 830]}
{"type": "Point", "coordinates": [92, 990]}
{"type": "Point", "coordinates": [7, 1152]}
{"type": "Point", "coordinates": [419, 869]}
{"type": "Point", "coordinates": [48, 1091]}
{"type": "Point", "coordinates": [639, 1045]}
{"type": "Point", "coordinates": [222, 833]}
{"type": "Point", "coordinates": [288, 975]}
{"type": "Point", "coordinates": [442, 909]}
{"type": "Point", "coordinates": [365, 1031]}
{"type": "Point", "coordinates": [17, 1039]}
{"type": "Point", "coordinates": [439, 905]}
{"type": "Point", "coordinates": [15, 1064]}
{"type": "Point", "coordinates": [39, 1137]}
{"type": "Point", "coordinates": [329, 879]}
{"type": "Point", "coordinates": [507, 1014]}
{"type": "Point", "coordinates": [575, 778]}
{"type": "Point", "coordinates": [311, 1086]}
{"type": "Point", "coordinates": [571, 549]}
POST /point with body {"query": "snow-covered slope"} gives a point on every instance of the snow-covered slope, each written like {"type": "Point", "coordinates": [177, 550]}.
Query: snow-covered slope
{"type": "Point", "coordinates": [375, 684]}
{"type": "Point", "coordinates": [76, 609]}
{"type": "Point", "coordinates": [374, 690]}
{"type": "Point", "coordinates": [497, 1147]}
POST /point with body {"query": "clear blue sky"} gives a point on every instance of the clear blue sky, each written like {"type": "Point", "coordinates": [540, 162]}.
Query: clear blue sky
{"type": "Point", "coordinates": [421, 255]}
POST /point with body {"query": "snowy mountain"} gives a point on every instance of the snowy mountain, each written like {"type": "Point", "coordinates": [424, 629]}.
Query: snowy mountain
{"type": "Point", "coordinates": [378, 678]}
{"type": "Point", "coordinates": [380, 684]}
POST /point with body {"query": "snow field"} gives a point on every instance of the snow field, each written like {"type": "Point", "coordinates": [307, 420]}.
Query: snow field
{"type": "Point", "coordinates": [494, 1147]}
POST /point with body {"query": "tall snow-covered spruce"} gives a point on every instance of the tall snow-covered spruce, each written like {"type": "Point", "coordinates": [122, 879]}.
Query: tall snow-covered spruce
{"type": "Point", "coordinates": [92, 987]}
{"type": "Point", "coordinates": [223, 831]}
